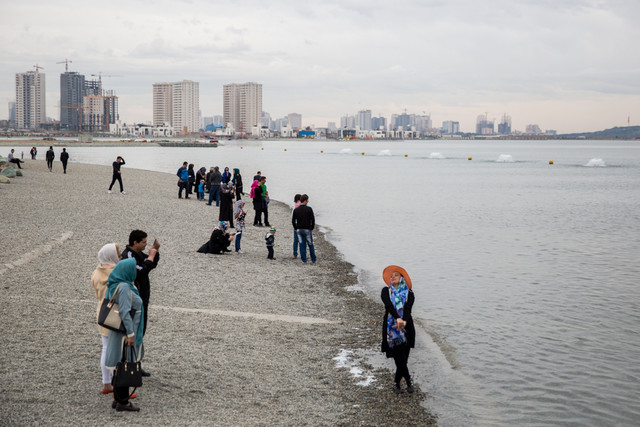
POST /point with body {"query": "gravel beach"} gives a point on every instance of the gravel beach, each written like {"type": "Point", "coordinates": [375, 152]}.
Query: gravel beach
{"type": "Point", "coordinates": [233, 339]}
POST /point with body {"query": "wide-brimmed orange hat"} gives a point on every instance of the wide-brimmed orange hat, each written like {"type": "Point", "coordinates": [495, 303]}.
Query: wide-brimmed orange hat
{"type": "Point", "coordinates": [386, 274]}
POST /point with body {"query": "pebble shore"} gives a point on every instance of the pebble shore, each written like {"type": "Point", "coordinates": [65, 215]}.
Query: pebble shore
{"type": "Point", "coordinates": [233, 339]}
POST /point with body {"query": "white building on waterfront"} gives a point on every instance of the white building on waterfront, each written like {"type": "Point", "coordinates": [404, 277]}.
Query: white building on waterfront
{"type": "Point", "coordinates": [295, 121]}
{"type": "Point", "coordinates": [177, 104]}
{"type": "Point", "coordinates": [30, 100]}
{"type": "Point", "coordinates": [242, 106]}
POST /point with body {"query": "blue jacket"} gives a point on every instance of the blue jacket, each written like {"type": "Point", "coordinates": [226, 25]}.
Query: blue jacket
{"type": "Point", "coordinates": [183, 173]}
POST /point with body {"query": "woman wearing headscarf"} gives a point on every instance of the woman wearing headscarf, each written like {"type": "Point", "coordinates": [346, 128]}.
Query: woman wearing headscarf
{"type": "Point", "coordinates": [200, 175]}
{"type": "Point", "coordinates": [219, 241]}
{"type": "Point", "coordinates": [226, 203]}
{"type": "Point", "coordinates": [398, 331]}
{"type": "Point", "coordinates": [239, 214]}
{"type": "Point", "coordinates": [192, 179]}
{"type": "Point", "coordinates": [237, 182]}
{"type": "Point", "coordinates": [131, 312]}
{"type": "Point", "coordinates": [226, 175]}
{"type": "Point", "coordinates": [108, 257]}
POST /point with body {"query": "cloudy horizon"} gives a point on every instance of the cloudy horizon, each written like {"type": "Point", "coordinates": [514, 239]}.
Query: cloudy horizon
{"type": "Point", "coordinates": [567, 65]}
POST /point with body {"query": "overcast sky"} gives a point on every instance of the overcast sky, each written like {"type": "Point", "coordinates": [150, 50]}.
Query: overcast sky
{"type": "Point", "coordinates": [568, 65]}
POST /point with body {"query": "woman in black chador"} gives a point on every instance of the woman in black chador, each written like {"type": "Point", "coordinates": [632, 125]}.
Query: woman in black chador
{"type": "Point", "coordinates": [226, 203]}
{"type": "Point", "coordinates": [219, 241]}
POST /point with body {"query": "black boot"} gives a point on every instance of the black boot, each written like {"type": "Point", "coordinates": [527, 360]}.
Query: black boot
{"type": "Point", "coordinates": [396, 388]}
{"type": "Point", "coordinates": [410, 388]}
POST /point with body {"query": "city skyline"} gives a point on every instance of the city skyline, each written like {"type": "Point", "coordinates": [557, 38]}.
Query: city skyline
{"type": "Point", "coordinates": [568, 65]}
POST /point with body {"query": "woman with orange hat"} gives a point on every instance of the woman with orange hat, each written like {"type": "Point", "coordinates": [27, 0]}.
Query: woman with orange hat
{"type": "Point", "coordinates": [398, 332]}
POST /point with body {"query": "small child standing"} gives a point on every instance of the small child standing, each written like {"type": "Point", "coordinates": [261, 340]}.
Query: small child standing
{"type": "Point", "coordinates": [270, 239]}
{"type": "Point", "coordinates": [201, 190]}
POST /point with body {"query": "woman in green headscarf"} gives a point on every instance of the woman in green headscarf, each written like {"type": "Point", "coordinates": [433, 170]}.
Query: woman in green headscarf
{"type": "Point", "coordinates": [131, 312]}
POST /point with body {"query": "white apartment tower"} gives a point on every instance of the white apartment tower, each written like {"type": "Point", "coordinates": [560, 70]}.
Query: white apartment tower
{"type": "Point", "coordinates": [242, 106]}
{"type": "Point", "coordinates": [177, 104]}
{"type": "Point", "coordinates": [30, 100]}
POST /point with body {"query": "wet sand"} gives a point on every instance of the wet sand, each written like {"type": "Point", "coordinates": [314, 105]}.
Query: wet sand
{"type": "Point", "coordinates": [233, 339]}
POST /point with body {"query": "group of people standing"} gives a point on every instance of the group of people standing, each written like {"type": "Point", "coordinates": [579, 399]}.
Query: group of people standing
{"type": "Point", "coordinates": [126, 276]}
{"type": "Point", "coordinates": [50, 157]}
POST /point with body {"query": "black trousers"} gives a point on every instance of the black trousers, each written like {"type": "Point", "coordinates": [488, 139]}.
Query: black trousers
{"type": "Point", "coordinates": [17, 162]}
{"type": "Point", "coordinates": [49, 164]}
{"type": "Point", "coordinates": [270, 249]}
{"type": "Point", "coordinates": [265, 210]}
{"type": "Point", "coordinates": [121, 395]}
{"type": "Point", "coordinates": [401, 357]}
{"type": "Point", "coordinates": [258, 218]}
{"type": "Point", "coordinates": [64, 166]}
{"type": "Point", "coordinates": [113, 181]}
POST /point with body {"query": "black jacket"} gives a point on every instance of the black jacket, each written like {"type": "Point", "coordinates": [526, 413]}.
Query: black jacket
{"type": "Point", "coordinates": [303, 218]}
{"type": "Point", "coordinates": [390, 310]}
{"type": "Point", "coordinates": [218, 243]}
{"type": "Point", "coordinates": [64, 156]}
{"type": "Point", "coordinates": [143, 267]}
{"type": "Point", "coordinates": [116, 166]}
{"type": "Point", "coordinates": [50, 155]}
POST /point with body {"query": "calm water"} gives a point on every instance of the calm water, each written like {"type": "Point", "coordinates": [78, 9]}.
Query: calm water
{"type": "Point", "coordinates": [526, 274]}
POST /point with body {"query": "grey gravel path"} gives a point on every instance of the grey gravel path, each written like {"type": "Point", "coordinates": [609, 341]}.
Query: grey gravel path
{"type": "Point", "coordinates": [233, 339]}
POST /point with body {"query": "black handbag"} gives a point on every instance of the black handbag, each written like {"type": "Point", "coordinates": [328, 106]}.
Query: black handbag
{"type": "Point", "coordinates": [127, 374]}
{"type": "Point", "coordinates": [109, 316]}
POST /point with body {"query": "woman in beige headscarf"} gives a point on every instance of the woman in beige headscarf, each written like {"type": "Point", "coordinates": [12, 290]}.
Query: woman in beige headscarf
{"type": "Point", "coordinates": [108, 257]}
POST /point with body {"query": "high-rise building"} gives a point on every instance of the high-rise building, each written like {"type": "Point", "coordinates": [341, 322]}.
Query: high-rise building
{"type": "Point", "coordinates": [504, 127]}
{"type": "Point", "coordinates": [363, 119]}
{"type": "Point", "coordinates": [242, 106]}
{"type": "Point", "coordinates": [12, 111]}
{"type": "Point", "coordinates": [378, 122]}
{"type": "Point", "coordinates": [484, 126]}
{"type": "Point", "coordinates": [295, 121]}
{"type": "Point", "coordinates": [30, 99]}
{"type": "Point", "coordinates": [72, 92]}
{"type": "Point", "coordinates": [177, 104]}
{"type": "Point", "coordinates": [347, 122]}
{"type": "Point", "coordinates": [450, 127]}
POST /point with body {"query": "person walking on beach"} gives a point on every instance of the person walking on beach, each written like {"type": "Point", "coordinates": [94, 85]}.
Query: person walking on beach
{"type": "Point", "coordinates": [270, 240]}
{"type": "Point", "coordinates": [304, 221]}
{"type": "Point", "coordinates": [131, 312]}
{"type": "Point", "coordinates": [33, 152]}
{"type": "Point", "coordinates": [50, 155]}
{"type": "Point", "coordinates": [64, 158]}
{"type": "Point", "coordinates": [117, 175]}
{"type": "Point", "coordinates": [183, 181]}
{"type": "Point", "coordinates": [144, 264]}
{"type": "Point", "coordinates": [296, 243]}
{"type": "Point", "coordinates": [214, 186]}
{"type": "Point", "coordinates": [13, 159]}
{"type": "Point", "coordinates": [398, 331]}
{"type": "Point", "coordinates": [108, 257]}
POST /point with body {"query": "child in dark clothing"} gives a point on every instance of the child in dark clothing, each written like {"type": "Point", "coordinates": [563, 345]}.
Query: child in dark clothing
{"type": "Point", "coordinates": [270, 239]}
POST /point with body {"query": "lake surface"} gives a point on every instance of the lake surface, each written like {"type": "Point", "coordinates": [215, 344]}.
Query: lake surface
{"type": "Point", "coordinates": [526, 274]}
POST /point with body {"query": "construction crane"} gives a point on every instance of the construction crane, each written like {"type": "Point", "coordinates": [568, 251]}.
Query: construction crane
{"type": "Point", "coordinates": [66, 63]}
{"type": "Point", "coordinates": [37, 67]}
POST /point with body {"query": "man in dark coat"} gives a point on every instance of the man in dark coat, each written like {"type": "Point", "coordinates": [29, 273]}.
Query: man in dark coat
{"type": "Point", "coordinates": [50, 156]}
{"type": "Point", "coordinates": [144, 264]}
{"type": "Point", "coordinates": [64, 158]}
{"type": "Point", "coordinates": [116, 174]}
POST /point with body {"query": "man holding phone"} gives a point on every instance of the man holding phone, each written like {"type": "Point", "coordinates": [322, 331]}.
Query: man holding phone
{"type": "Point", "coordinates": [144, 264]}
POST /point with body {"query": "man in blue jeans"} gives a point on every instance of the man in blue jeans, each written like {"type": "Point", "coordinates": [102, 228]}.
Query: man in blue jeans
{"type": "Point", "coordinates": [303, 222]}
{"type": "Point", "coordinates": [214, 186]}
